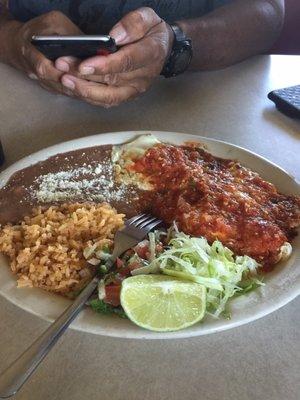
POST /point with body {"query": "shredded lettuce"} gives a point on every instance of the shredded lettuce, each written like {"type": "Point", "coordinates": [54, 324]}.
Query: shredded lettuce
{"type": "Point", "coordinates": [152, 268]}
{"type": "Point", "coordinates": [213, 266]}
{"type": "Point", "coordinates": [223, 274]}
{"type": "Point", "coordinates": [103, 255]}
{"type": "Point", "coordinates": [152, 245]}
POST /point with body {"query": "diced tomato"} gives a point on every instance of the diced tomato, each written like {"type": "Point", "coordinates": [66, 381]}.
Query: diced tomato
{"type": "Point", "coordinates": [159, 248]}
{"type": "Point", "coordinates": [112, 295]}
{"type": "Point", "coordinates": [129, 252]}
{"type": "Point", "coordinates": [119, 263]}
{"type": "Point", "coordinates": [134, 265]}
{"type": "Point", "coordinates": [142, 250]}
{"type": "Point", "coordinates": [125, 271]}
{"type": "Point", "coordinates": [118, 279]}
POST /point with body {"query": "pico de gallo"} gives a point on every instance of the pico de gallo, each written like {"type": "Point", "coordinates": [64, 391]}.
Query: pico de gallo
{"type": "Point", "coordinates": [179, 255]}
{"type": "Point", "coordinates": [135, 260]}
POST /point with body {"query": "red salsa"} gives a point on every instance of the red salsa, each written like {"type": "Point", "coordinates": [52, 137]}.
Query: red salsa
{"type": "Point", "coordinates": [219, 199]}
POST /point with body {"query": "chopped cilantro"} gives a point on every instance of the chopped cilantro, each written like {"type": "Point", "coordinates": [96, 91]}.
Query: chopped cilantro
{"type": "Point", "coordinates": [103, 308]}
{"type": "Point", "coordinates": [106, 248]}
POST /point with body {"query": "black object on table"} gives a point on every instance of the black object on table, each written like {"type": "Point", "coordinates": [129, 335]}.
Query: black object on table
{"type": "Point", "coordinates": [287, 100]}
{"type": "Point", "coordinates": [1, 155]}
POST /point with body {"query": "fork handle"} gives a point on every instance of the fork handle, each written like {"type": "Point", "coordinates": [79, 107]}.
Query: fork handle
{"type": "Point", "coordinates": [13, 378]}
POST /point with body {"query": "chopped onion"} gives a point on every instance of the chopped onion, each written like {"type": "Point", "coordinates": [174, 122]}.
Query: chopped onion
{"type": "Point", "coordinates": [94, 261]}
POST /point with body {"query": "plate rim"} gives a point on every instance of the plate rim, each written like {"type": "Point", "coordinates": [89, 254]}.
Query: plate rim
{"type": "Point", "coordinates": [139, 333]}
{"type": "Point", "coordinates": [139, 132]}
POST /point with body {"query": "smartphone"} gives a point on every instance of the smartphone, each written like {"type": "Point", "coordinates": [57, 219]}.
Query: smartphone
{"type": "Point", "coordinates": [287, 100]}
{"type": "Point", "coordinates": [82, 47]}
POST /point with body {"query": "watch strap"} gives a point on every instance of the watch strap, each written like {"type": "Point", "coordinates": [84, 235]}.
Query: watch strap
{"type": "Point", "coordinates": [180, 43]}
{"type": "Point", "coordinates": [178, 33]}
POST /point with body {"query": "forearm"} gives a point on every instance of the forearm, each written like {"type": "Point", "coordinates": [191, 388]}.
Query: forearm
{"type": "Point", "coordinates": [234, 32]}
{"type": "Point", "coordinates": [7, 26]}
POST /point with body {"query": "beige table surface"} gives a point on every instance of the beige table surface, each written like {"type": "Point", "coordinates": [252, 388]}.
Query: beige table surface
{"type": "Point", "coordinates": [257, 361]}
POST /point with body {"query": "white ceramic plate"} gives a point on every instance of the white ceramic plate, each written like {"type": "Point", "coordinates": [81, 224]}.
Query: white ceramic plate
{"type": "Point", "coordinates": [282, 285]}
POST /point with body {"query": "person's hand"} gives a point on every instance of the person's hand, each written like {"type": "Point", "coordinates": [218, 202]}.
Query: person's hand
{"type": "Point", "coordinates": [145, 42]}
{"type": "Point", "coordinates": [24, 56]}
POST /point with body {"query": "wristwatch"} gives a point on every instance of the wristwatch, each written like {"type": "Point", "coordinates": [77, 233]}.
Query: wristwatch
{"type": "Point", "coordinates": [181, 54]}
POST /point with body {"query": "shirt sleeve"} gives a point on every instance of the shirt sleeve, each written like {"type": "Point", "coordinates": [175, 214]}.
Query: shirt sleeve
{"type": "Point", "coordinates": [25, 10]}
{"type": "Point", "coordinates": [98, 16]}
{"type": "Point", "coordinates": [20, 12]}
{"type": "Point", "coordinates": [219, 3]}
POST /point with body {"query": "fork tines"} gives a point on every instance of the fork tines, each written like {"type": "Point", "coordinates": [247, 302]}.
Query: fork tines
{"type": "Point", "coordinates": [143, 221]}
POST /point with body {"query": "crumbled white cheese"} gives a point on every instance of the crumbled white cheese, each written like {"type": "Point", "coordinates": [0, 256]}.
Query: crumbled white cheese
{"type": "Point", "coordinates": [84, 182]}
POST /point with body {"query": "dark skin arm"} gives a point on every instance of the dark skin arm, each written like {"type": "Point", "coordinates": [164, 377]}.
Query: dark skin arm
{"type": "Point", "coordinates": [227, 35]}
{"type": "Point", "coordinates": [234, 32]}
{"type": "Point", "coordinates": [17, 51]}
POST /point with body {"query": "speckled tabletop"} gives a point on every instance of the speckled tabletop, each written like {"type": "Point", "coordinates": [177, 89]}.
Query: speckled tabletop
{"type": "Point", "coordinates": [256, 361]}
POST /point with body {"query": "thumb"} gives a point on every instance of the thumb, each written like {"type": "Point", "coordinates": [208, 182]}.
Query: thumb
{"type": "Point", "coordinates": [134, 25]}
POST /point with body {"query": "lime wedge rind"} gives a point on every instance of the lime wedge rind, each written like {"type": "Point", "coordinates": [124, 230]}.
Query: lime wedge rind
{"type": "Point", "coordinates": [162, 303]}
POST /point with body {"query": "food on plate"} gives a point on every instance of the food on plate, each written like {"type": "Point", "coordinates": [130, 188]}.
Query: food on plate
{"type": "Point", "coordinates": [160, 303]}
{"type": "Point", "coordinates": [218, 274]}
{"type": "Point", "coordinates": [213, 197]}
{"type": "Point", "coordinates": [123, 158]}
{"type": "Point", "coordinates": [85, 175]}
{"type": "Point", "coordinates": [226, 227]}
{"type": "Point", "coordinates": [46, 249]}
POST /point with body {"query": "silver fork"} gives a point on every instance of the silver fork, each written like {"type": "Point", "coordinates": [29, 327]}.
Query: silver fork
{"type": "Point", "coordinates": [13, 378]}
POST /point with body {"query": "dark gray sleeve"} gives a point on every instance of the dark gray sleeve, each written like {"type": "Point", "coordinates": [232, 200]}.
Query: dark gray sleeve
{"type": "Point", "coordinates": [98, 16]}
{"type": "Point", "coordinates": [18, 9]}
{"type": "Point", "coordinates": [213, 4]}
{"type": "Point", "coordinates": [24, 10]}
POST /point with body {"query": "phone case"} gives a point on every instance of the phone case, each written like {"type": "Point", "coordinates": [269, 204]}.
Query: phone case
{"type": "Point", "coordinates": [287, 100]}
{"type": "Point", "coordinates": [82, 49]}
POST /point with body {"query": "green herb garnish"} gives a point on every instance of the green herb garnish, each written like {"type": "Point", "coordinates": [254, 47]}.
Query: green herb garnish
{"type": "Point", "coordinates": [103, 308]}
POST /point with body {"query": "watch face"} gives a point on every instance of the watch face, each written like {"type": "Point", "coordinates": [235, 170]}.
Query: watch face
{"type": "Point", "coordinates": [182, 60]}
{"type": "Point", "coordinates": [179, 59]}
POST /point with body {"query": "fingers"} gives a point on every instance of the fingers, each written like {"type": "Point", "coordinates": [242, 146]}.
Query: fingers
{"type": "Point", "coordinates": [123, 75]}
{"type": "Point", "coordinates": [132, 28]}
{"type": "Point", "coordinates": [125, 78]}
{"type": "Point", "coordinates": [134, 25]}
{"type": "Point", "coordinates": [56, 88]}
{"type": "Point", "coordinates": [96, 93]}
{"type": "Point", "coordinates": [45, 85]}
{"type": "Point", "coordinates": [153, 47]}
{"type": "Point", "coordinates": [68, 64]}
{"type": "Point", "coordinates": [48, 24]}
{"type": "Point", "coordinates": [128, 58]}
{"type": "Point", "coordinates": [38, 64]}
{"type": "Point", "coordinates": [139, 82]}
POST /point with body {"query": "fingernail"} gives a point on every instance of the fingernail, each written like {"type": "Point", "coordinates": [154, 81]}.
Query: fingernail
{"type": "Point", "coordinates": [62, 66]}
{"type": "Point", "coordinates": [87, 70]}
{"type": "Point", "coordinates": [119, 34]}
{"type": "Point", "coordinates": [33, 76]}
{"type": "Point", "coordinates": [69, 59]}
{"type": "Point", "coordinates": [68, 83]}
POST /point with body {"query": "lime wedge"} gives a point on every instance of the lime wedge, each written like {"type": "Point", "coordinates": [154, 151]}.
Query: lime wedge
{"type": "Point", "coordinates": [162, 303]}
